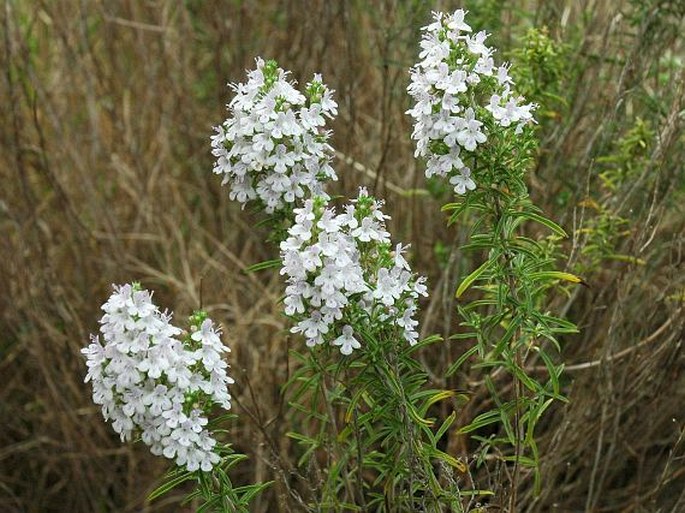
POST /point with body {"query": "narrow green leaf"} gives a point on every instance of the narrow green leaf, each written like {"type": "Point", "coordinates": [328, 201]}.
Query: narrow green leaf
{"type": "Point", "coordinates": [555, 275]}
{"type": "Point", "coordinates": [436, 397]}
{"type": "Point", "coordinates": [170, 485]}
{"type": "Point", "coordinates": [450, 206]}
{"type": "Point", "coordinates": [351, 408]}
{"type": "Point", "coordinates": [462, 336]}
{"type": "Point", "coordinates": [506, 423]}
{"type": "Point", "coordinates": [445, 425]}
{"type": "Point", "coordinates": [472, 277]}
{"type": "Point", "coordinates": [433, 339]}
{"type": "Point", "coordinates": [527, 381]}
{"type": "Point", "coordinates": [302, 438]}
{"type": "Point", "coordinates": [267, 264]}
{"type": "Point", "coordinates": [554, 371]}
{"type": "Point", "coordinates": [503, 343]}
{"type": "Point", "coordinates": [523, 460]}
{"type": "Point", "coordinates": [450, 460]}
{"type": "Point", "coordinates": [626, 258]}
{"type": "Point", "coordinates": [467, 354]}
{"type": "Point", "coordinates": [248, 492]}
{"type": "Point", "coordinates": [545, 222]}
{"type": "Point", "coordinates": [418, 418]}
{"type": "Point", "coordinates": [482, 420]}
{"type": "Point", "coordinates": [473, 493]}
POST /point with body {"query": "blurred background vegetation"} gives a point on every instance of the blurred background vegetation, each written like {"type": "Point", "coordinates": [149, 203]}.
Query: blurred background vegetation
{"type": "Point", "coordinates": [106, 113]}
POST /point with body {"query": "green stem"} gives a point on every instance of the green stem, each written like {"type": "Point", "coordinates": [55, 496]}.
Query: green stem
{"type": "Point", "coordinates": [515, 347]}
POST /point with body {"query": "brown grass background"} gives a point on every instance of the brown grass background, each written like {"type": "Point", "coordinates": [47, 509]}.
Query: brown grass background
{"type": "Point", "coordinates": [105, 113]}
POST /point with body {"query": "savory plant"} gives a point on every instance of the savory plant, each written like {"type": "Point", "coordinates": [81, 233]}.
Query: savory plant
{"type": "Point", "coordinates": [361, 406]}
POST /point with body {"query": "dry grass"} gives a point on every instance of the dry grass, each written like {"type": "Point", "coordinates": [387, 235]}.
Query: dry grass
{"type": "Point", "coordinates": [106, 113]}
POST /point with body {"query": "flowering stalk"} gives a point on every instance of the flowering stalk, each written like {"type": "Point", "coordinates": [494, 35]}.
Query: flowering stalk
{"type": "Point", "coordinates": [341, 271]}
{"type": "Point", "coordinates": [273, 149]}
{"type": "Point", "coordinates": [348, 290]}
{"type": "Point", "coordinates": [473, 130]}
{"type": "Point", "coordinates": [159, 383]}
{"type": "Point", "coordinates": [460, 98]}
{"type": "Point", "coordinates": [358, 391]}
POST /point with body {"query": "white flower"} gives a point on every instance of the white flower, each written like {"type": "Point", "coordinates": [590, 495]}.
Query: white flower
{"type": "Point", "coordinates": [456, 21]}
{"type": "Point", "coordinates": [353, 271]}
{"type": "Point", "coordinates": [400, 262]}
{"type": "Point", "coordinates": [409, 324]}
{"type": "Point", "coordinates": [387, 289]}
{"type": "Point", "coordinates": [470, 135]}
{"type": "Point", "coordinates": [312, 327]}
{"type": "Point", "coordinates": [158, 399]}
{"type": "Point", "coordinates": [503, 75]}
{"type": "Point", "coordinates": [370, 230]}
{"type": "Point", "coordinates": [463, 181]}
{"type": "Point", "coordinates": [443, 165]}
{"type": "Point", "coordinates": [95, 358]}
{"type": "Point", "coordinates": [273, 147]}
{"type": "Point", "coordinates": [302, 230]}
{"type": "Point", "coordinates": [446, 85]}
{"type": "Point", "coordinates": [476, 44]}
{"type": "Point", "coordinates": [328, 222]}
{"type": "Point", "coordinates": [346, 341]}
{"type": "Point", "coordinates": [208, 335]}
{"type": "Point", "coordinates": [143, 373]}
{"type": "Point", "coordinates": [311, 258]}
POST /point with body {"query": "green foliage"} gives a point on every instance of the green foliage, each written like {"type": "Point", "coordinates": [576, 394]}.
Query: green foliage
{"type": "Point", "coordinates": [503, 301]}
{"type": "Point", "coordinates": [629, 158]}
{"type": "Point", "coordinates": [214, 491]}
{"type": "Point", "coordinates": [366, 432]}
{"type": "Point", "coordinates": [605, 227]}
{"type": "Point", "coordinates": [105, 171]}
{"type": "Point", "coordinates": [540, 68]}
{"type": "Point", "coordinates": [486, 14]}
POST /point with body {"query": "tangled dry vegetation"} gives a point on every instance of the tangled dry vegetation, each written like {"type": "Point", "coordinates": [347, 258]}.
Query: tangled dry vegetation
{"type": "Point", "coordinates": [106, 113]}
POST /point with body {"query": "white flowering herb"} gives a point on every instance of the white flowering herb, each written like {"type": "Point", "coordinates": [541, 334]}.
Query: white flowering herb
{"type": "Point", "coordinates": [342, 271]}
{"type": "Point", "coordinates": [474, 131]}
{"type": "Point", "coordinates": [274, 146]}
{"type": "Point", "coordinates": [157, 382]}
{"type": "Point", "coordinates": [460, 99]}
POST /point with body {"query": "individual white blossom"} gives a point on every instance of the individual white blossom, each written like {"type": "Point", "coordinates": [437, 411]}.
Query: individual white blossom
{"type": "Point", "coordinates": [153, 381]}
{"type": "Point", "coordinates": [455, 70]}
{"type": "Point", "coordinates": [462, 181]}
{"type": "Point", "coordinates": [274, 146]}
{"type": "Point", "coordinates": [340, 268]}
{"type": "Point", "coordinates": [346, 341]}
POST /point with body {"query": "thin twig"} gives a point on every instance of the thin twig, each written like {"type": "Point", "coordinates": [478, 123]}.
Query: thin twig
{"type": "Point", "coordinates": [135, 24]}
{"type": "Point", "coordinates": [358, 166]}
{"type": "Point", "coordinates": [621, 354]}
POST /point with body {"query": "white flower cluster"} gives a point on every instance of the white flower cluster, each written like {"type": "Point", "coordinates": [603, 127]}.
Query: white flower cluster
{"type": "Point", "coordinates": [274, 146]}
{"type": "Point", "coordinates": [340, 270]}
{"type": "Point", "coordinates": [153, 380]}
{"type": "Point", "coordinates": [455, 76]}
